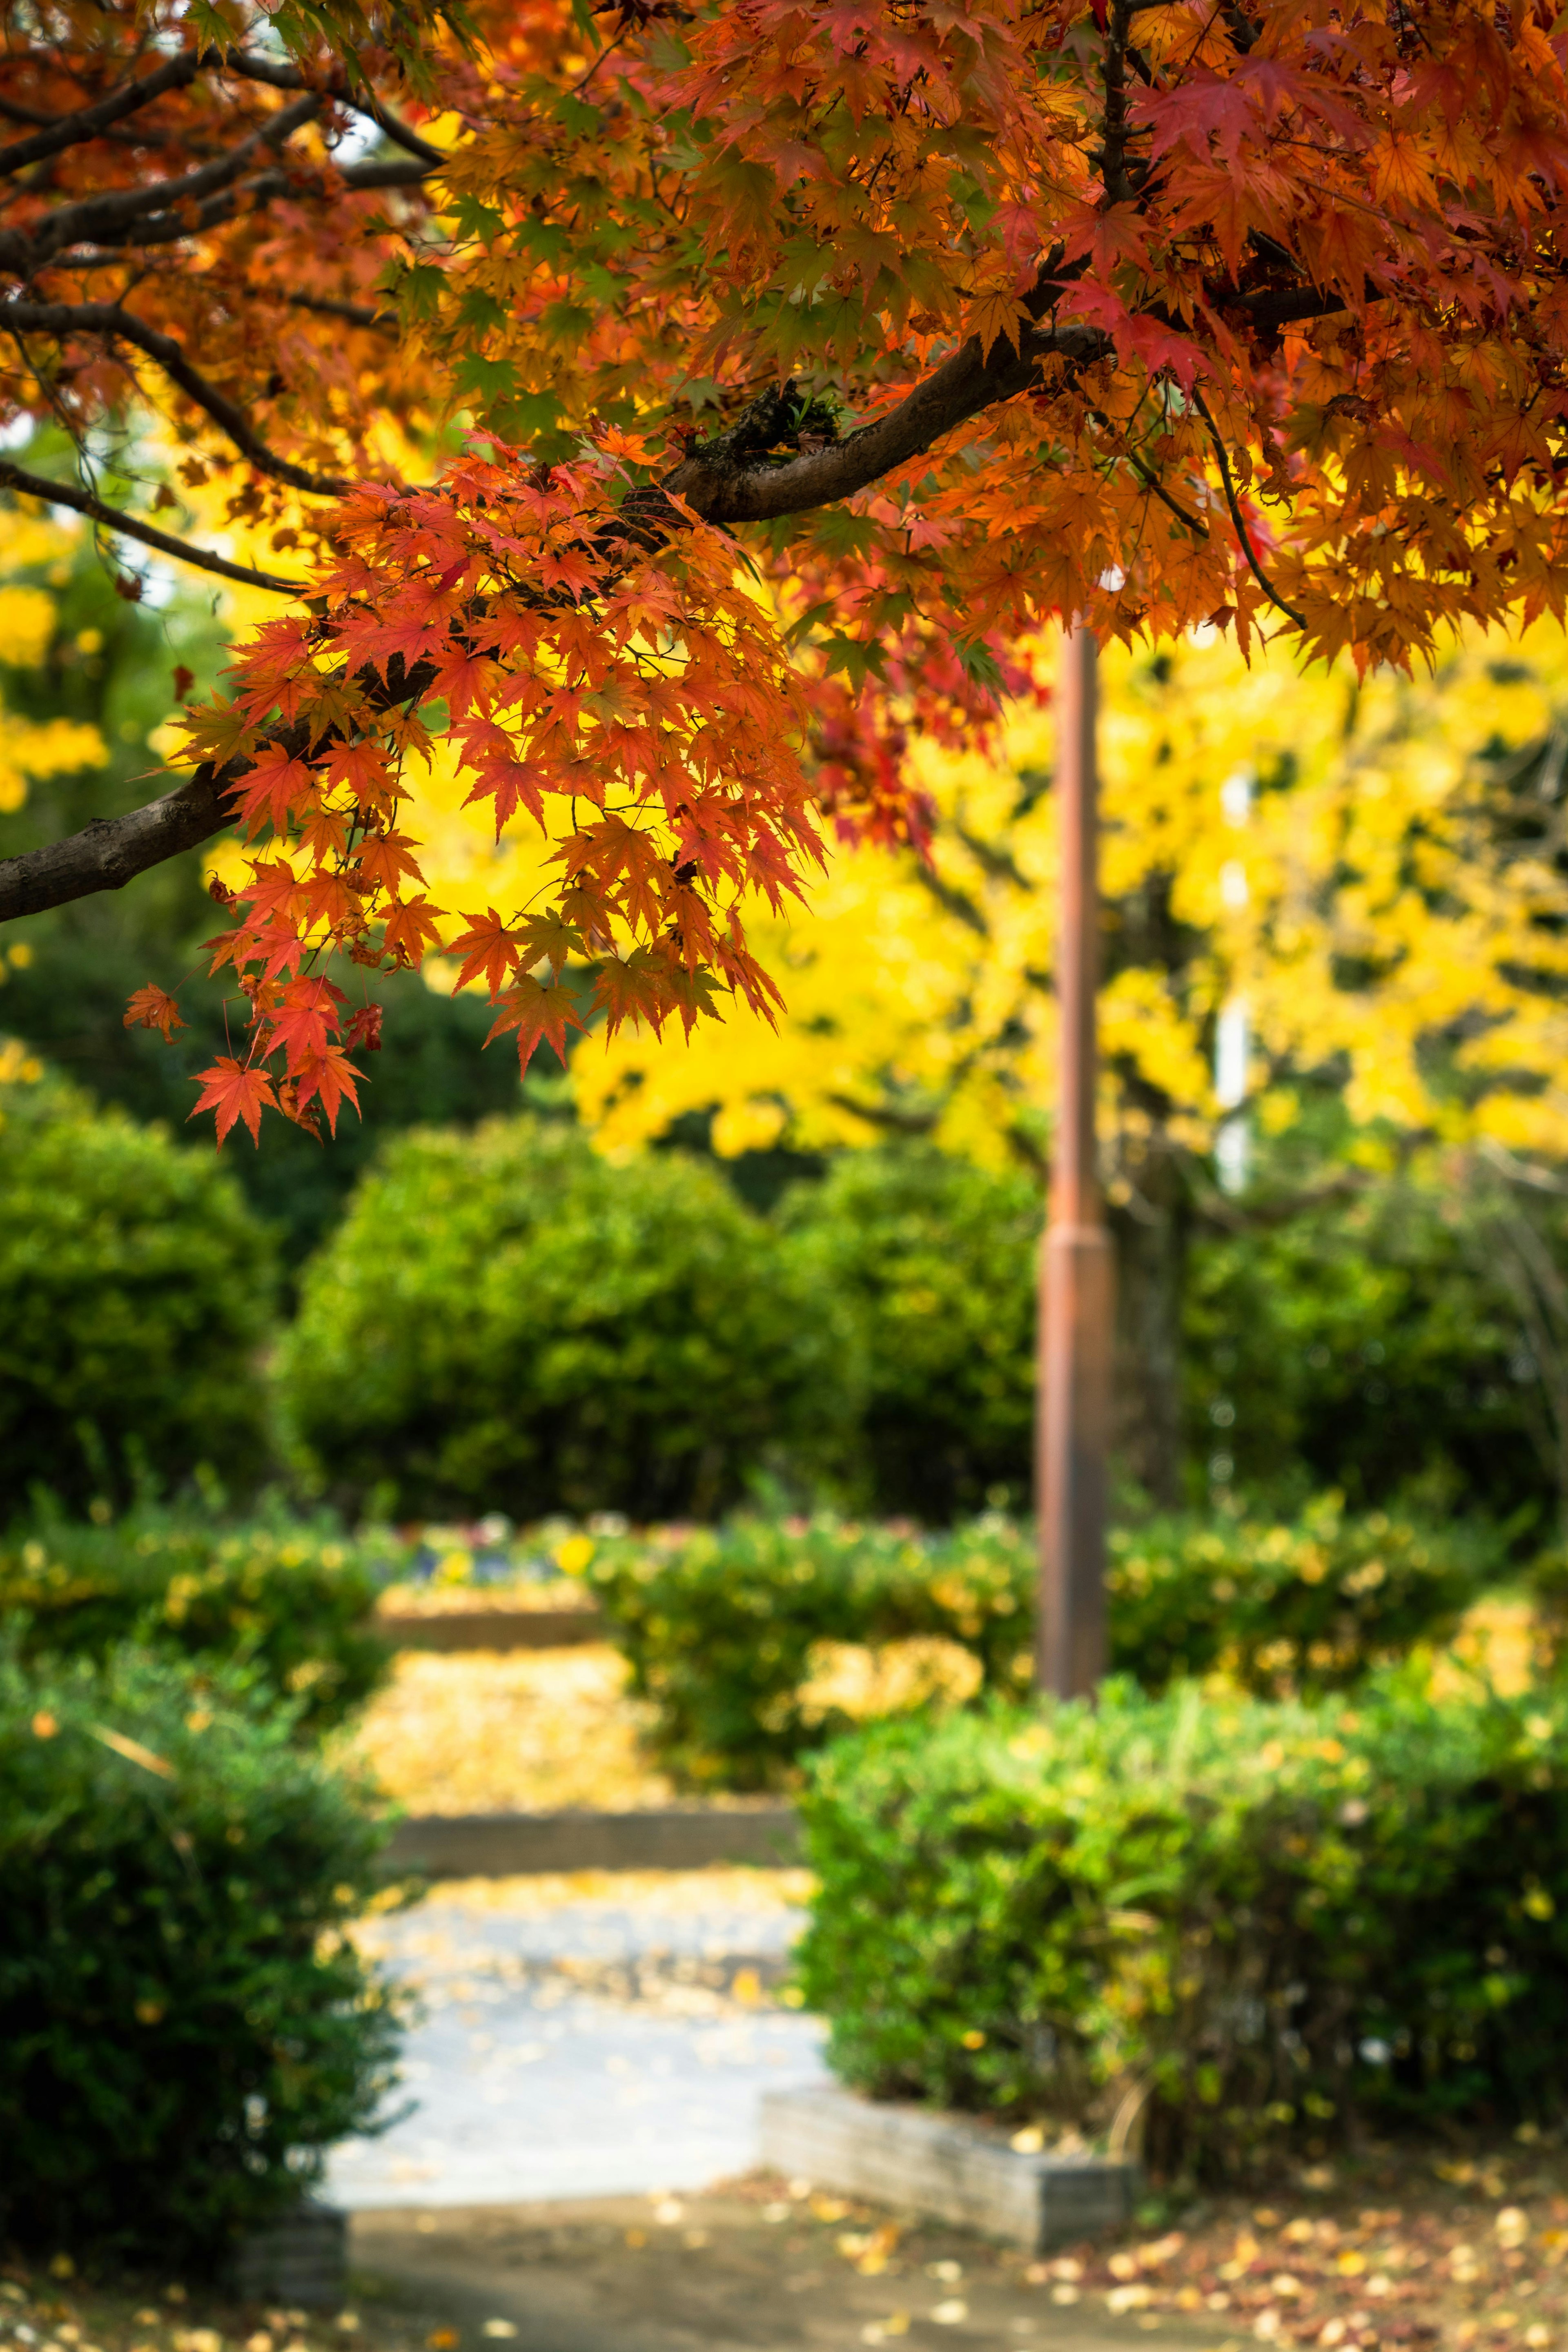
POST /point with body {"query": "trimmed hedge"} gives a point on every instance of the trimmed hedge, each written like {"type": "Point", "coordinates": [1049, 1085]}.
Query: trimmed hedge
{"type": "Point", "coordinates": [186, 2026]}
{"type": "Point", "coordinates": [287, 1607]}
{"type": "Point", "coordinates": [136, 1290]}
{"type": "Point", "coordinates": [1255, 1921]}
{"type": "Point", "coordinates": [505, 1321]}
{"type": "Point", "coordinates": [720, 1625]}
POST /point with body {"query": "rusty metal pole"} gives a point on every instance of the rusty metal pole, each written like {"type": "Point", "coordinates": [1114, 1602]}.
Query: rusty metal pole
{"type": "Point", "coordinates": [1073, 1411]}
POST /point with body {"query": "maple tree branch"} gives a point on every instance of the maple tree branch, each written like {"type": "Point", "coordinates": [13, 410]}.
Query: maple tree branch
{"type": "Point", "coordinates": [357, 314]}
{"type": "Point", "coordinates": [175, 227]}
{"type": "Point", "coordinates": [727, 481]}
{"type": "Point", "coordinates": [112, 851]}
{"type": "Point", "coordinates": [282, 77]}
{"type": "Point", "coordinates": [92, 121]}
{"type": "Point", "coordinates": [93, 216]}
{"type": "Point", "coordinates": [1236, 515]}
{"type": "Point", "coordinates": [1114, 127]}
{"type": "Point", "coordinates": [111, 322]}
{"type": "Point", "coordinates": [67, 494]}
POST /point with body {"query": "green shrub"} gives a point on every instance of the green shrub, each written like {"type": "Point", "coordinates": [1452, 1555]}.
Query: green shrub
{"type": "Point", "coordinates": [135, 1291]}
{"type": "Point", "coordinates": [288, 1607]}
{"type": "Point", "coordinates": [1261, 1921]}
{"type": "Point", "coordinates": [1311, 1605]}
{"type": "Point", "coordinates": [720, 1624]}
{"type": "Point", "coordinates": [505, 1320]}
{"type": "Point", "coordinates": [184, 2025]}
{"type": "Point", "coordinates": [935, 1259]}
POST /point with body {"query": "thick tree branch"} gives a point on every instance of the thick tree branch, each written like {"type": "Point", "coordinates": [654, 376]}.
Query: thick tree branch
{"type": "Point", "coordinates": [113, 850]}
{"type": "Point", "coordinates": [109, 321]}
{"type": "Point", "coordinates": [727, 481]}
{"type": "Point", "coordinates": [173, 228]}
{"type": "Point", "coordinates": [67, 494]}
{"type": "Point", "coordinates": [92, 121]}
{"type": "Point", "coordinates": [730, 479]}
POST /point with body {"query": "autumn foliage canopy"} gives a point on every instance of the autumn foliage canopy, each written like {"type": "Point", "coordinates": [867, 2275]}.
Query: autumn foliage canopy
{"type": "Point", "coordinates": [797, 361]}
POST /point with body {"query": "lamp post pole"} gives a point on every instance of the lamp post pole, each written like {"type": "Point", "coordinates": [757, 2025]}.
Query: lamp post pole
{"type": "Point", "coordinates": [1073, 1411]}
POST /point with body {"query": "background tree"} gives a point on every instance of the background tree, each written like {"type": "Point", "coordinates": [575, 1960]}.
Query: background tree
{"type": "Point", "coordinates": [1373, 874]}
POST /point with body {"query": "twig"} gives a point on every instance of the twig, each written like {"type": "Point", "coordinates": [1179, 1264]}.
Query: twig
{"type": "Point", "coordinates": [1241, 530]}
{"type": "Point", "coordinates": [67, 494]}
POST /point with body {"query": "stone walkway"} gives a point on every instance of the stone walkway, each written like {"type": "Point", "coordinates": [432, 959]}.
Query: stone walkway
{"type": "Point", "coordinates": [600, 2036]}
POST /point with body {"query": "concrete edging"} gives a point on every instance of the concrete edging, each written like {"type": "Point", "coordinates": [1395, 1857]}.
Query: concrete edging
{"type": "Point", "coordinates": [302, 2257]}
{"type": "Point", "coordinates": [687, 1837]}
{"type": "Point", "coordinates": [948, 2166]}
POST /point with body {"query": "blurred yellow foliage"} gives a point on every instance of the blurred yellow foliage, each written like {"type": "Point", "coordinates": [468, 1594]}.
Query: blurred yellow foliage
{"type": "Point", "coordinates": [33, 749]}
{"type": "Point", "coordinates": [1369, 867]}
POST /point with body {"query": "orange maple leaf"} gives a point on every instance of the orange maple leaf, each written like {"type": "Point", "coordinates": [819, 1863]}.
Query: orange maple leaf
{"type": "Point", "coordinates": [154, 1008]}
{"type": "Point", "coordinates": [534, 1013]}
{"type": "Point", "coordinates": [328, 1076]}
{"type": "Point", "coordinates": [411, 928]}
{"type": "Point", "coordinates": [488, 946]}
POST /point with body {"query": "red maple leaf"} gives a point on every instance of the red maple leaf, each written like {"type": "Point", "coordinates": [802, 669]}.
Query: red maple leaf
{"type": "Point", "coordinates": [235, 1092]}
{"type": "Point", "coordinates": [273, 788]}
{"type": "Point", "coordinates": [304, 1021]}
{"type": "Point", "coordinates": [490, 947]}
{"type": "Point", "coordinates": [362, 1033]}
{"type": "Point", "coordinates": [329, 1076]}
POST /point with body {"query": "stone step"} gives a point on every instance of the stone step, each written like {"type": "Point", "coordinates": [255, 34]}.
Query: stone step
{"type": "Point", "coordinates": [491, 1629]}
{"type": "Point", "coordinates": [674, 1837]}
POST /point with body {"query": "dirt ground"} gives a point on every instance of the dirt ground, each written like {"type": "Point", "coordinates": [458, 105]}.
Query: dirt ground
{"type": "Point", "coordinates": [740, 2270]}
{"type": "Point", "coordinates": [1416, 2248]}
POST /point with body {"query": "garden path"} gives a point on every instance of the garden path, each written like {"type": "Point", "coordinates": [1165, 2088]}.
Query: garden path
{"type": "Point", "coordinates": [586, 2036]}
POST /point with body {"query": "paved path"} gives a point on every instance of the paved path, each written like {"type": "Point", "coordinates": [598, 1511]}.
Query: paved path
{"type": "Point", "coordinates": [596, 2044]}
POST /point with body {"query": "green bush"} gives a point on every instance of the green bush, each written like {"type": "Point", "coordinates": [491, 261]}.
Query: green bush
{"type": "Point", "coordinates": [506, 1322]}
{"type": "Point", "coordinates": [288, 1606]}
{"type": "Point", "coordinates": [720, 1624]}
{"type": "Point", "coordinates": [1310, 1605]}
{"type": "Point", "coordinates": [1257, 1921]}
{"type": "Point", "coordinates": [1368, 1343]}
{"type": "Point", "coordinates": [135, 1291]}
{"type": "Point", "coordinates": [935, 1259]}
{"type": "Point", "coordinates": [184, 2025]}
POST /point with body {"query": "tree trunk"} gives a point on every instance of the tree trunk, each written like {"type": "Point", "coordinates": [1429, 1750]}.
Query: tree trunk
{"type": "Point", "coordinates": [1151, 1234]}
